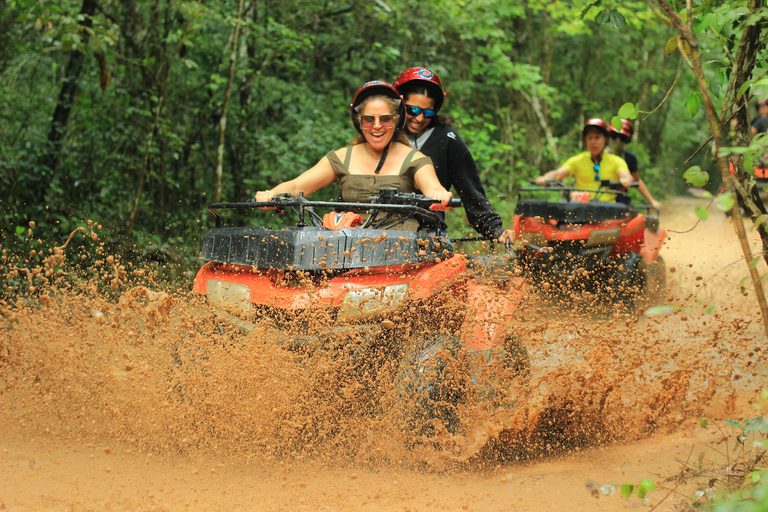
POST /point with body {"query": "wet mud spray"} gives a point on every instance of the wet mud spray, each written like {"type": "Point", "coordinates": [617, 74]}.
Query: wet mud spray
{"type": "Point", "coordinates": [117, 394]}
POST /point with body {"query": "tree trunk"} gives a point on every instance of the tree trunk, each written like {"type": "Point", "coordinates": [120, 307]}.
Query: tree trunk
{"type": "Point", "coordinates": [142, 176]}
{"type": "Point", "coordinates": [66, 99]}
{"type": "Point", "coordinates": [223, 121]}
{"type": "Point", "coordinates": [693, 59]}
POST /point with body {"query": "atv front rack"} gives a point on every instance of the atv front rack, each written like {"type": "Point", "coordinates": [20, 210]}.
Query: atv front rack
{"type": "Point", "coordinates": [314, 248]}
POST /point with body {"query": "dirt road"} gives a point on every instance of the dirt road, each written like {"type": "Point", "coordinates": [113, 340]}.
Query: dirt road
{"type": "Point", "coordinates": [97, 416]}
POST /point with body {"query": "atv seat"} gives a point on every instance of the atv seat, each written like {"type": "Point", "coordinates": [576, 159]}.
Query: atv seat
{"type": "Point", "coordinates": [570, 212]}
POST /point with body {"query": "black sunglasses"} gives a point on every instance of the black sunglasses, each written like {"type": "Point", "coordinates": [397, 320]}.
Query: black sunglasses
{"type": "Point", "coordinates": [413, 110]}
{"type": "Point", "coordinates": [597, 172]}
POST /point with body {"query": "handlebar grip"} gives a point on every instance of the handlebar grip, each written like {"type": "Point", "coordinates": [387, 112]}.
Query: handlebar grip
{"type": "Point", "coordinates": [452, 203]}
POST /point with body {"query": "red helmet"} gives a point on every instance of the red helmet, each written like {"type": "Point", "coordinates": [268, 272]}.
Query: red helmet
{"type": "Point", "coordinates": [627, 130]}
{"type": "Point", "coordinates": [596, 124]}
{"type": "Point", "coordinates": [428, 77]}
{"type": "Point", "coordinates": [764, 101]}
{"type": "Point", "coordinates": [373, 88]}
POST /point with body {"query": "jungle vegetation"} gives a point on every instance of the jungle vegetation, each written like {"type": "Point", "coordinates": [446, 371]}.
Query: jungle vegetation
{"type": "Point", "coordinates": [137, 113]}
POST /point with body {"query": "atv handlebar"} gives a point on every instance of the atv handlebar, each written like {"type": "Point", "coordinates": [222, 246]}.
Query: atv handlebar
{"type": "Point", "coordinates": [556, 184]}
{"type": "Point", "coordinates": [389, 201]}
{"type": "Point", "coordinates": [605, 187]}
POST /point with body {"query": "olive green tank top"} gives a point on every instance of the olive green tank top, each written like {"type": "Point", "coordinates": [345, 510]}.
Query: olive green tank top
{"type": "Point", "coordinates": [358, 188]}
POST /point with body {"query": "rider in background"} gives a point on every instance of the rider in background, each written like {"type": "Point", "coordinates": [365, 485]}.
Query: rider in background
{"type": "Point", "coordinates": [760, 123]}
{"type": "Point", "coordinates": [593, 166]}
{"type": "Point", "coordinates": [617, 146]}
{"type": "Point", "coordinates": [433, 135]}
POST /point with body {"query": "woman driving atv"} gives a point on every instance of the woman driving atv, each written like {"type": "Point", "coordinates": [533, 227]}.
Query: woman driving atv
{"type": "Point", "coordinates": [379, 157]}
{"type": "Point", "coordinates": [432, 135]}
{"type": "Point", "coordinates": [594, 165]}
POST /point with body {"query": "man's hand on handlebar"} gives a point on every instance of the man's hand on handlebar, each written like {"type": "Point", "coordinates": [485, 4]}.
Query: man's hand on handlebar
{"type": "Point", "coordinates": [507, 236]}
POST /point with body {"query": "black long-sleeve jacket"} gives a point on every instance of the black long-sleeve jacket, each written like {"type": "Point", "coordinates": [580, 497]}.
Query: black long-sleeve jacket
{"type": "Point", "coordinates": [455, 167]}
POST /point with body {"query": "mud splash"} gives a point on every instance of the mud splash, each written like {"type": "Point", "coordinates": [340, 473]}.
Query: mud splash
{"type": "Point", "coordinates": [113, 363]}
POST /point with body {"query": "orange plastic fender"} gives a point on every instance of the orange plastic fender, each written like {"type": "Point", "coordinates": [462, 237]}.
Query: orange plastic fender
{"type": "Point", "coordinates": [489, 311]}
{"type": "Point", "coordinates": [652, 244]}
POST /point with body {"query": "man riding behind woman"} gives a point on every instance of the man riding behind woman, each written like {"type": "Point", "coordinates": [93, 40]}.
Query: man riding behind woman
{"type": "Point", "coordinates": [433, 135]}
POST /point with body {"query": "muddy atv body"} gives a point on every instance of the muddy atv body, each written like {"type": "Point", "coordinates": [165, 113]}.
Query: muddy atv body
{"type": "Point", "coordinates": [376, 292]}
{"type": "Point", "coordinates": [578, 244]}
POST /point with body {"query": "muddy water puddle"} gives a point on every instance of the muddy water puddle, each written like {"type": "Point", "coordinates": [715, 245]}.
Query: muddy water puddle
{"type": "Point", "coordinates": [145, 400]}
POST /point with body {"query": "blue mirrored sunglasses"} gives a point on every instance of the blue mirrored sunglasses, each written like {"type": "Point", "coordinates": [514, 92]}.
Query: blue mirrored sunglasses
{"type": "Point", "coordinates": [597, 172]}
{"type": "Point", "coordinates": [413, 110]}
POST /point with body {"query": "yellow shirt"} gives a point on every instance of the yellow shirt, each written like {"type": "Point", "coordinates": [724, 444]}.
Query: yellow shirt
{"type": "Point", "coordinates": [582, 167]}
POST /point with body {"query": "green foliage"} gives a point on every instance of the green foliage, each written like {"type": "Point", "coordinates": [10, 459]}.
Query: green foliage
{"type": "Point", "coordinates": [696, 177]}
{"type": "Point", "coordinates": [521, 78]}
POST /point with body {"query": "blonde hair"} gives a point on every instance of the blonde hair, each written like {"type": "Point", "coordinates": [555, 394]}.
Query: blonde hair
{"type": "Point", "coordinates": [393, 109]}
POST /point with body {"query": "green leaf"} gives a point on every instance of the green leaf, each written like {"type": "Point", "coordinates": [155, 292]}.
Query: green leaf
{"type": "Point", "coordinates": [733, 423]}
{"type": "Point", "coordinates": [754, 261]}
{"type": "Point", "coordinates": [754, 477]}
{"type": "Point", "coordinates": [627, 490]}
{"type": "Point", "coordinates": [696, 177]}
{"type": "Point", "coordinates": [19, 230]}
{"type": "Point", "coordinates": [760, 220]}
{"type": "Point", "coordinates": [617, 19]}
{"type": "Point", "coordinates": [710, 309]}
{"type": "Point", "coordinates": [654, 88]}
{"type": "Point", "coordinates": [692, 104]}
{"type": "Point", "coordinates": [702, 213]}
{"type": "Point", "coordinates": [745, 87]}
{"type": "Point", "coordinates": [588, 7]}
{"type": "Point", "coordinates": [626, 110]}
{"type": "Point", "coordinates": [670, 46]}
{"type": "Point", "coordinates": [616, 122]}
{"type": "Point", "coordinates": [725, 201]}
{"type": "Point", "coordinates": [661, 310]}
{"type": "Point", "coordinates": [647, 484]}
{"type": "Point", "coordinates": [704, 422]}
{"type": "Point", "coordinates": [602, 17]}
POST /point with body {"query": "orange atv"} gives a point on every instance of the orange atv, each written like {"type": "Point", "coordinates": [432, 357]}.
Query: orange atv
{"type": "Point", "coordinates": [353, 280]}
{"type": "Point", "coordinates": [574, 242]}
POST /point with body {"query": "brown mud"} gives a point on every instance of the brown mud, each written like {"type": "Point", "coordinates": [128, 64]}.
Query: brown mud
{"type": "Point", "coordinates": [142, 399]}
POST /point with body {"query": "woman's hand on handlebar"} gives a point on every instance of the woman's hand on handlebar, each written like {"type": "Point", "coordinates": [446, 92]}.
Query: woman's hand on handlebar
{"type": "Point", "coordinates": [264, 196]}
{"type": "Point", "coordinates": [443, 196]}
{"type": "Point", "coordinates": [541, 181]}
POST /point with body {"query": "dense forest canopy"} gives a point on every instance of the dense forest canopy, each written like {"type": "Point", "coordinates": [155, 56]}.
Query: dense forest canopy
{"type": "Point", "coordinates": [112, 109]}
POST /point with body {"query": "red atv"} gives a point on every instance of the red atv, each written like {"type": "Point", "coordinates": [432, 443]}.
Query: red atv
{"type": "Point", "coordinates": [572, 241]}
{"type": "Point", "coordinates": [378, 292]}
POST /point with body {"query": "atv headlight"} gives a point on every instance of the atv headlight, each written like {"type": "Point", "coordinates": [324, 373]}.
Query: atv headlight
{"type": "Point", "coordinates": [602, 237]}
{"type": "Point", "coordinates": [232, 297]}
{"type": "Point", "coordinates": [372, 301]}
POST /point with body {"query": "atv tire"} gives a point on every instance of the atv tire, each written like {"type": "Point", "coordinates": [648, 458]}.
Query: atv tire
{"type": "Point", "coordinates": [437, 376]}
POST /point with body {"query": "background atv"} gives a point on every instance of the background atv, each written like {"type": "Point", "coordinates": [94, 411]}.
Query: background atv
{"type": "Point", "coordinates": [578, 244]}
{"type": "Point", "coordinates": [386, 297]}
